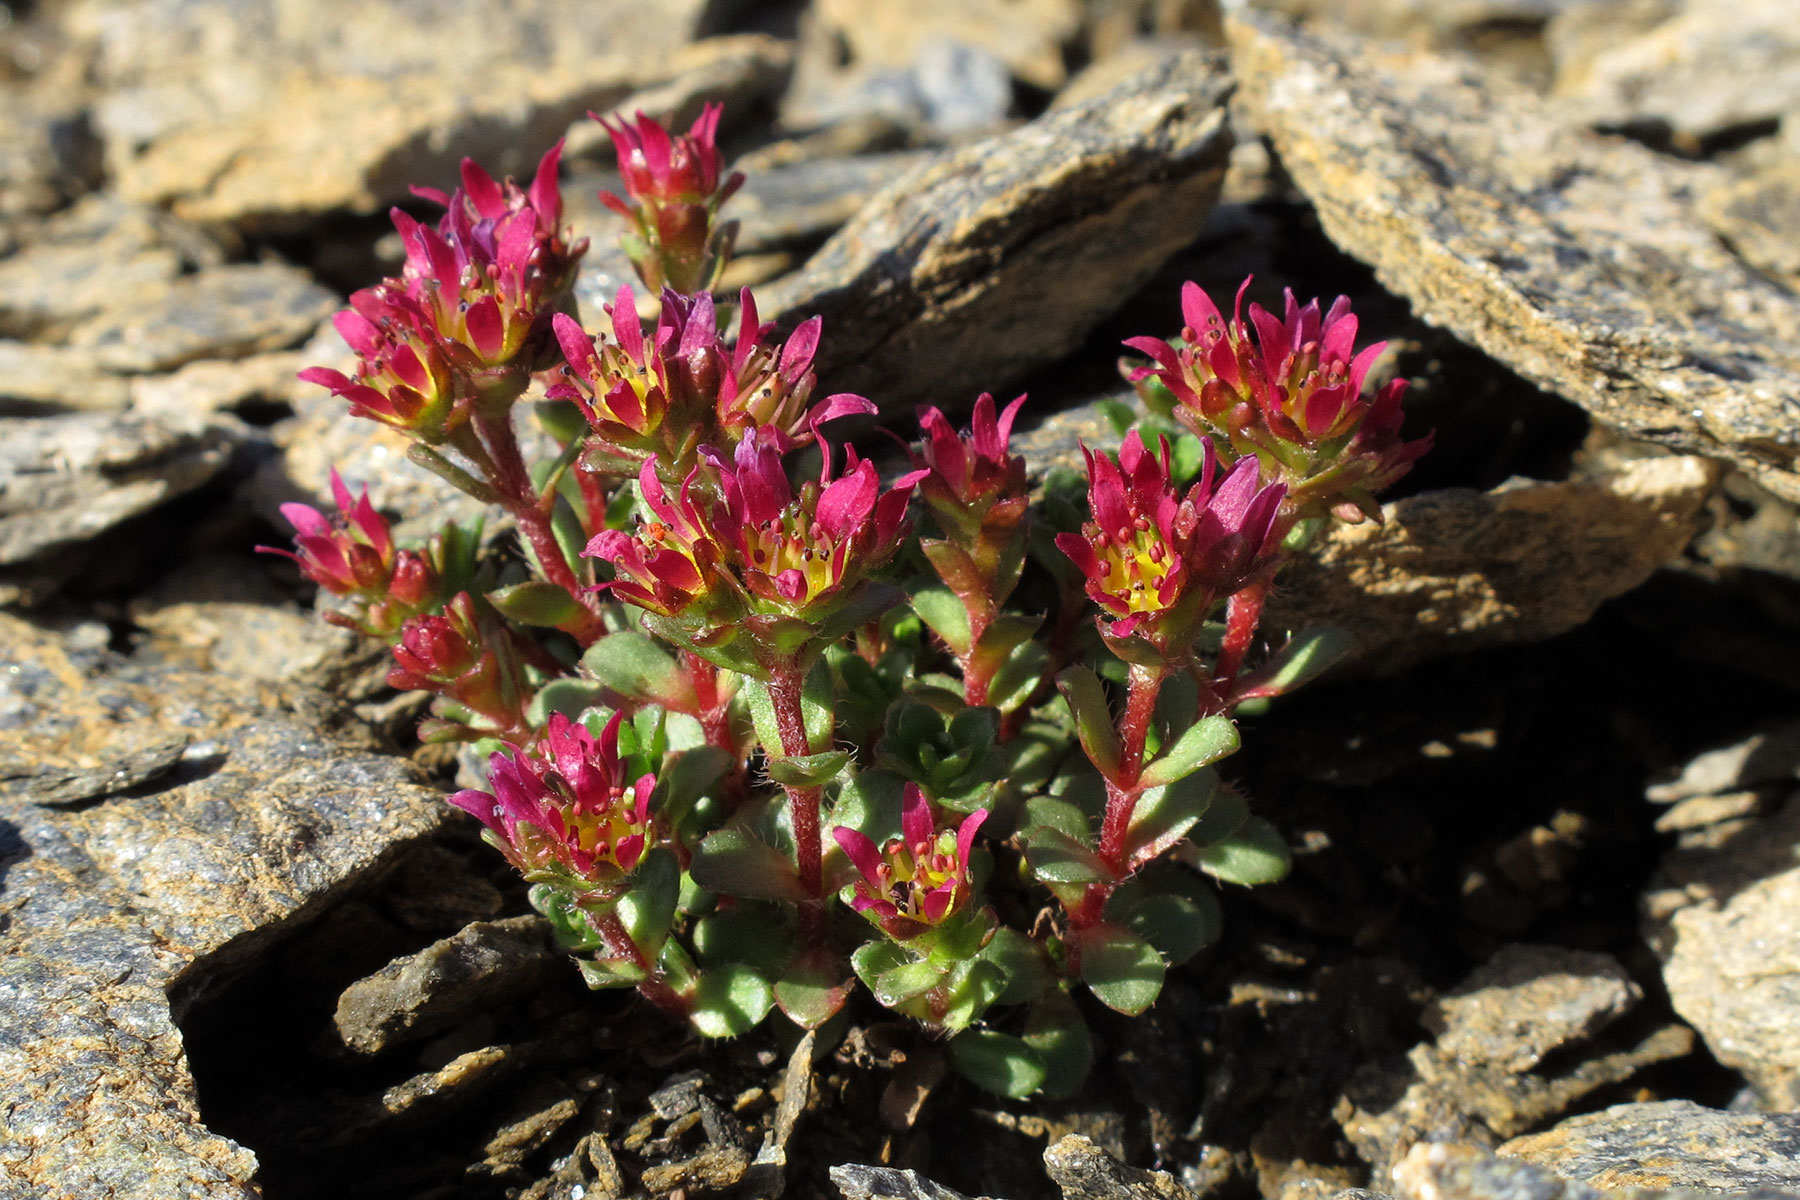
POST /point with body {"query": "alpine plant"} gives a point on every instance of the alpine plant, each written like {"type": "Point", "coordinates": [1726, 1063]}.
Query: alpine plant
{"type": "Point", "coordinates": [755, 728]}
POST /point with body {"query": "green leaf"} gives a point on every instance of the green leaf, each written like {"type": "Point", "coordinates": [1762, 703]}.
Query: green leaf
{"type": "Point", "coordinates": [600, 974]}
{"type": "Point", "coordinates": [753, 934]}
{"type": "Point", "coordinates": [1255, 853]}
{"type": "Point", "coordinates": [1164, 814]}
{"type": "Point", "coordinates": [1222, 818]}
{"type": "Point", "coordinates": [1017, 680]}
{"type": "Point", "coordinates": [813, 988]}
{"type": "Point", "coordinates": [808, 770]}
{"type": "Point", "coordinates": [1171, 908]}
{"type": "Point", "coordinates": [939, 608]}
{"type": "Point", "coordinates": [648, 907]}
{"type": "Point", "coordinates": [1056, 1030]}
{"type": "Point", "coordinates": [535, 602]}
{"type": "Point", "coordinates": [1093, 718]}
{"type": "Point", "coordinates": [572, 928]}
{"type": "Point", "coordinates": [971, 988]}
{"type": "Point", "coordinates": [1120, 415]}
{"type": "Point", "coordinates": [1307, 655]}
{"type": "Point", "coordinates": [561, 419]}
{"type": "Point", "coordinates": [1021, 961]}
{"type": "Point", "coordinates": [1122, 969]}
{"type": "Point", "coordinates": [1055, 857]}
{"type": "Point", "coordinates": [1204, 743]}
{"type": "Point", "coordinates": [729, 1001]}
{"type": "Point", "coordinates": [570, 697]}
{"type": "Point", "coordinates": [636, 665]}
{"type": "Point", "coordinates": [997, 1062]}
{"type": "Point", "coordinates": [735, 863]}
{"type": "Point", "coordinates": [892, 973]}
{"type": "Point", "coordinates": [419, 454]}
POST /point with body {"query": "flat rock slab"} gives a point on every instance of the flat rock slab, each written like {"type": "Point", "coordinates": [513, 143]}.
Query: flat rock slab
{"type": "Point", "coordinates": [1450, 1171]}
{"type": "Point", "coordinates": [66, 479]}
{"type": "Point", "coordinates": [1527, 1001]}
{"type": "Point", "coordinates": [267, 114]}
{"type": "Point", "coordinates": [1580, 262]}
{"type": "Point", "coordinates": [1671, 1144]}
{"type": "Point", "coordinates": [1457, 570]}
{"type": "Point", "coordinates": [1731, 950]}
{"type": "Point", "coordinates": [1000, 257]}
{"type": "Point", "coordinates": [122, 910]}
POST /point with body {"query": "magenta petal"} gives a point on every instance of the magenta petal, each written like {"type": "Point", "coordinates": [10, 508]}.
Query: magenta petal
{"type": "Point", "coordinates": [797, 355]}
{"type": "Point", "coordinates": [1232, 500]}
{"type": "Point", "coordinates": [482, 191]}
{"type": "Point", "coordinates": [486, 329]}
{"type": "Point", "coordinates": [481, 806]}
{"type": "Point", "coordinates": [306, 519]}
{"type": "Point", "coordinates": [577, 346]}
{"type": "Point", "coordinates": [965, 838]}
{"type": "Point", "coordinates": [1197, 309]}
{"type": "Point", "coordinates": [791, 584]}
{"type": "Point", "coordinates": [845, 505]}
{"type": "Point", "coordinates": [545, 196]}
{"type": "Point", "coordinates": [361, 333]}
{"type": "Point", "coordinates": [861, 851]}
{"type": "Point", "coordinates": [1003, 430]}
{"type": "Point", "coordinates": [916, 821]}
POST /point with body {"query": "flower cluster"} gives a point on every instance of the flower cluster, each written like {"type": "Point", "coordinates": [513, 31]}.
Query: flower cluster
{"type": "Point", "coordinates": [563, 811]}
{"type": "Point", "coordinates": [1157, 562]}
{"type": "Point", "coordinates": [717, 733]}
{"type": "Point", "coordinates": [355, 557]}
{"type": "Point", "coordinates": [674, 186]}
{"type": "Point", "coordinates": [458, 328]}
{"type": "Point", "coordinates": [1289, 391]}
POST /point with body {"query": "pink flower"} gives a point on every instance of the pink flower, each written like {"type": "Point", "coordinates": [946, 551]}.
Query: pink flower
{"type": "Point", "coordinates": [675, 192]}
{"type": "Point", "coordinates": [1288, 389]}
{"type": "Point", "coordinates": [661, 169]}
{"type": "Point", "coordinates": [770, 386]}
{"type": "Point", "coordinates": [475, 293]}
{"type": "Point", "coordinates": [669, 563]}
{"type": "Point", "coordinates": [968, 468]}
{"type": "Point", "coordinates": [354, 555]}
{"type": "Point", "coordinates": [1157, 562]}
{"type": "Point", "coordinates": [562, 811]}
{"type": "Point", "coordinates": [797, 552]}
{"type": "Point", "coordinates": [466, 660]}
{"type": "Point", "coordinates": [918, 880]}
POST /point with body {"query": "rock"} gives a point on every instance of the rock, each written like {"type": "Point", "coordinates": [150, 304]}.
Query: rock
{"type": "Point", "coordinates": [1454, 570]}
{"type": "Point", "coordinates": [767, 1176]}
{"type": "Point", "coordinates": [48, 155]}
{"type": "Point", "coordinates": [1759, 216]}
{"type": "Point", "coordinates": [1714, 67]}
{"type": "Point", "coordinates": [858, 1182]}
{"type": "Point", "coordinates": [222, 385]}
{"type": "Point", "coordinates": [1029, 36]}
{"type": "Point", "coordinates": [998, 258]}
{"type": "Point", "coordinates": [66, 479]}
{"type": "Point", "coordinates": [1730, 946]}
{"type": "Point", "coordinates": [1671, 1144]}
{"type": "Point", "coordinates": [1085, 1172]}
{"type": "Point", "coordinates": [1453, 23]}
{"type": "Point", "coordinates": [1578, 262]}
{"type": "Point", "coordinates": [1769, 757]}
{"type": "Point", "coordinates": [48, 379]}
{"type": "Point", "coordinates": [1527, 1001]}
{"type": "Point", "coordinates": [457, 977]}
{"type": "Point", "coordinates": [1480, 1081]}
{"type": "Point", "coordinates": [227, 312]}
{"type": "Point", "coordinates": [99, 255]}
{"type": "Point", "coordinates": [1448, 1171]}
{"type": "Point", "coordinates": [202, 95]}
{"type": "Point", "coordinates": [121, 913]}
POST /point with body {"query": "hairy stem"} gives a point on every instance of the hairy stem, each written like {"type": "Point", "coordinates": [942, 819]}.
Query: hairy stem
{"type": "Point", "coordinates": [621, 944]}
{"type": "Point", "coordinates": [803, 802]}
{"type": "Point", "coordinates": [1143, 686]}
{"type": "Point", "coordinates": [1243, 612]}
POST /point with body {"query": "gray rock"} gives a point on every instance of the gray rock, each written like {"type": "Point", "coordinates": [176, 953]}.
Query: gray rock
{"type": "Point", "coordinates": [269, 113]}
{"type": "Point", "coordinates": [1578, 262]}
{"type": "Point", "coordinates": [227, 312]}
{"type": "Point", "coordinates": [1527, 1001]}
{"type": "Point", "coordinates": [1726, 930]}
{"type": "Point", "coordinates": [66, 479]}
{"type": "Point", "coordinates": [1480, 1081]}
{"type": "Point", "coordinates": [457, 977]}
{"type": "Point", "coordinates": [1759, 217]}
{"type": "Point", "coordinates": [221, 384]}
{"type": "Point", "coordinates": [1771, 756]}
{"type": "Point", "coordinates": [1029, 36]}
{"type": "Point", "coordinates": [998, 258]}
{"type": "Point", "coordinates": [859, 1182]}
{"type": "Point", "coordinates": [48, 379]}
{"type": "Point", "coordinates": [1449, 1171]}
{"type": "Point", "coordinates": [121, 913]}
{"type": "Point", "coordinates": [1713, 67]}
{"type": "Point", "coordinates": [1671, 1144]}
{"type": "Point", "coordinates": [101, 254]}
{"type": "Point", "coordinates": [1086, 1172]}
{"type": "Point", "coordinates": [48, 155]}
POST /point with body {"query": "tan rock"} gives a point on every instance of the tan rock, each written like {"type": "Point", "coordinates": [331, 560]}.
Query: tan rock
{"type": "Point", "coordinates": [1759, 215]}
{"type": "Point", "coordinates": [1028, 35]}
{"type": "Point", "coordinates": [1577, 261]}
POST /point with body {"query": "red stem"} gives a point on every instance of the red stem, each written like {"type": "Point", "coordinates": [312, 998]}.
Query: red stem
{"type": "Point", "coordinates": [803, 802]}
{"type": "Point", "coordinates": [512, 480]}
{"type": "Point", "coordinates": [1243, 612]}
{"type": "Point", "coordinates": [976, 677]}
{"type": "Point", "coordinates": [622, 945]}
{"type": "Point", "coordinates": [1144, 685]}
